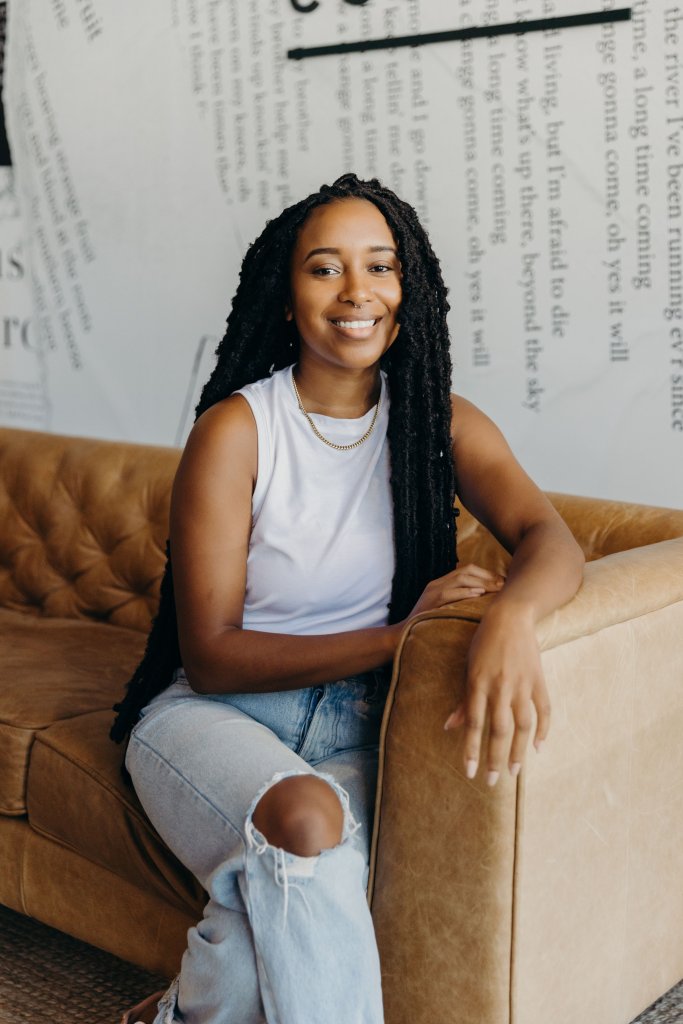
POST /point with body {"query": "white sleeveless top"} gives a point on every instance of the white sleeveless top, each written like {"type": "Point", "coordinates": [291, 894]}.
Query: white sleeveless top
{"type": "Point", "coordinates": [321, 552]}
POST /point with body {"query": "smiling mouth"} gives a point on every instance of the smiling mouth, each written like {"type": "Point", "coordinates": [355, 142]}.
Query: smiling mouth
{"type": "Point", "coordinates": [354, 324]}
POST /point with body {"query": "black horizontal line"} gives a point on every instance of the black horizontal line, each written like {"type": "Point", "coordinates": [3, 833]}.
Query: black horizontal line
{"type": "Point", "coordinates": [458, 34]}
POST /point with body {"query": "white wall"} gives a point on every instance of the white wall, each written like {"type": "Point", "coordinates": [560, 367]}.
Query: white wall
{"type": "Point", "coordinates": [151, 142]}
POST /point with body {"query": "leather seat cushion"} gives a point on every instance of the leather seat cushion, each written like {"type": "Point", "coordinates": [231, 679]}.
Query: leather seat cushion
{"type": "Point", "coordinates": [77, 797]}
{"type": "Point", "coordinates": [51, 670]}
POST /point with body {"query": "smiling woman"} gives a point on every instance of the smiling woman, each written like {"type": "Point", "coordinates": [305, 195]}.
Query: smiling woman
{"type": "Point", "coordinates": [311, 518]}
{"type": "Point", "coordinates": [345, 301]}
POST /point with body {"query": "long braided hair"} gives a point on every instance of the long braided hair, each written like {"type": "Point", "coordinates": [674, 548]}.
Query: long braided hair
{"type": "Point", "coordinates": [259, 340]}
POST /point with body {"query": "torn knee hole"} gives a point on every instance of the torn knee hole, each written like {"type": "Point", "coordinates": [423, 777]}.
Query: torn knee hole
{"type": "Point", "coordinates": [301, 814]}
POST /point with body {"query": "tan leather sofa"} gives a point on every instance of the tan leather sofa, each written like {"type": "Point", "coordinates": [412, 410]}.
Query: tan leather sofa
{"type": "Point", "coordinates": [553, 899]}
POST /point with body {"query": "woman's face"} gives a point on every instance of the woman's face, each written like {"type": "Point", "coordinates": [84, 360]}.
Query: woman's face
{"type": "Point", "coordinates": [345, 284]}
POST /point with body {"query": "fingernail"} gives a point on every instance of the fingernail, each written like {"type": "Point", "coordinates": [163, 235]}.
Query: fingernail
{"type": "Point", "coordinates": [450, 721]}
{"type": "Point", "coordinates": [491, 778]}
{"type": "Point", "coordinates": [538, 744]}
{"type": "Point", "coordinates": [471, 769]}
{"type": "Point", "coordinates": [514, 768]}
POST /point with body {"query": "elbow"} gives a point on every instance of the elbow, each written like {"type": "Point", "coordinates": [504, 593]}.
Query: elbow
{"type": "Point", "coordinates": [579, 556]}
{"type": "Point", "coordinates": [206, 679]}
{"type": "Point", "coordinates": [197, 681]}
{"type": "Point", "coordinates": [209, 663]}
{"type": "Point", "coordinates": [577, 562]}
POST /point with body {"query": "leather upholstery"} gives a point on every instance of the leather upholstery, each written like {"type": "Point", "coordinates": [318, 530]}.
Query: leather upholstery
{"type": "Point", "coordinates": [59, 671]}
{"type": "Point", "coordinates": [84, 525]}
{"type": "Point", "coordinates": [75, 765]}
{"type": "Point", "coordinates": [63, 889]}
{"type": "Point", "coordinates": [553, 898]}
{"type": "Point", "coordinates": [547, 893]}
{"type": "Point", "coordinates": [600, 526]}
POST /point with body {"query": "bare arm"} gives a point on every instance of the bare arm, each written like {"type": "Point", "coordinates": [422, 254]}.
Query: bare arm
{"type": "Point", "coordinates": [504, 669]}
{"type": "Point", "coordinates": [547, 562]}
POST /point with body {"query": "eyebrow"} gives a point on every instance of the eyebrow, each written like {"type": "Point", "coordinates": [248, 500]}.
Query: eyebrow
{"type": "Point", "coordinates": [335, 252]}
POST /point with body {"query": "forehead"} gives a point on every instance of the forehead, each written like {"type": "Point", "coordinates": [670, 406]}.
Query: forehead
{"type": "Point", "coordinates": [344, 223]}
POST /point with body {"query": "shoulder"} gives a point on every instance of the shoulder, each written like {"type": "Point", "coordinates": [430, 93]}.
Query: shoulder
{"type": "Point", "coordinates": [223, 438]}
{"type": "Point", "coordinates": [470, 426]}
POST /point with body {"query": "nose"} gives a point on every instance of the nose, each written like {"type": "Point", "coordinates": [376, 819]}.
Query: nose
{"type": "Point", "coordinates": [355, 289]}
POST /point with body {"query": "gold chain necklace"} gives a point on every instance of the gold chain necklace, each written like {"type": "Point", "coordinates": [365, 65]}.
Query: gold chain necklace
{"type": "Point", "coordinates": [338, 447]}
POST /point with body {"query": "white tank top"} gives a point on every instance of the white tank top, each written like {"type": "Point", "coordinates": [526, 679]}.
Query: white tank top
{"type": "Point", "coordinates": [321, 551]}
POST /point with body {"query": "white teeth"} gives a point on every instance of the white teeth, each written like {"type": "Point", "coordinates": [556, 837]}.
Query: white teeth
{"type": "Point", "coordinates": [354, 324]}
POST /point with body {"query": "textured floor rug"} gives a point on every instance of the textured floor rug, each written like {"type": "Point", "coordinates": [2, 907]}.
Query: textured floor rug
{"type": "Point", "coordinates": [47, 977]}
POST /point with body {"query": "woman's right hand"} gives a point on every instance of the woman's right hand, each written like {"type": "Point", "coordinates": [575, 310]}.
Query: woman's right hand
{"type": "Point", "coordinates": [463, 582]}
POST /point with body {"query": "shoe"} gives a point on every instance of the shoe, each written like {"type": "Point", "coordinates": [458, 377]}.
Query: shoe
{"type": "Point", "coordinates": [139, 1014]}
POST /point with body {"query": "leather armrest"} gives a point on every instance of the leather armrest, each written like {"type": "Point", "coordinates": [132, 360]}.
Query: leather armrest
{"type": "Point", "coordinates": [469, 883]}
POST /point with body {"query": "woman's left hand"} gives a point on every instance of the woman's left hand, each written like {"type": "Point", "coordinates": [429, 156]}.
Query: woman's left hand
{"type": "Point", "coordinates": [504, 675]}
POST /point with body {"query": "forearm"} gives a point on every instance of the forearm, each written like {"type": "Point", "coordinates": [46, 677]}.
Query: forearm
{"type": "Point", "coordinates": [545, 572]}
{"type": "Point", "coordinates": [247, 661]}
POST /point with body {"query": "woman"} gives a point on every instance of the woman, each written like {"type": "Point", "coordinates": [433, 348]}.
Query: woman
{"type": "Point", "coordinates": [311, 517]}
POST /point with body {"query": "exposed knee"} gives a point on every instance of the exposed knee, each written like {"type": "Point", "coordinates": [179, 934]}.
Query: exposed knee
{"type": "Point", "coordinates": [301, 814]}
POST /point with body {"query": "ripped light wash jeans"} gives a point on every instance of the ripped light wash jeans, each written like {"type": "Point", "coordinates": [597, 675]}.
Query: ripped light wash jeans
{"type": "Point", "coordinates": [284, 939]}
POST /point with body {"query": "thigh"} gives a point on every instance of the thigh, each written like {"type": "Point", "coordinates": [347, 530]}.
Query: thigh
{"type": "Point", "coordinates": [196, 765]}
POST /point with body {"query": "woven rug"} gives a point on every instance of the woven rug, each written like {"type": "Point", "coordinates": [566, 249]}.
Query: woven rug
{"type": "Point", "coordinates": [47, 977]}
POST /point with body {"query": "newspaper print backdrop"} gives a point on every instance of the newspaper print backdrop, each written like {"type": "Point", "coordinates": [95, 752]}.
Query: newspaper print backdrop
{"type": "Point", "coordinates": [152, 141]}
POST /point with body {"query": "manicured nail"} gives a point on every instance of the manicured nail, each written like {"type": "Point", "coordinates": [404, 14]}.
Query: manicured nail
{"type": "Point", "coordinates": [514, 768]}
{"type": "Point", "coordinates": [451, 721]}
{"type": "Point", "coordinates": [539, 744]}
{"type": "Point", "coordinates": [471, 769]}
{"type": "Point", "coordinates": [491, 778]}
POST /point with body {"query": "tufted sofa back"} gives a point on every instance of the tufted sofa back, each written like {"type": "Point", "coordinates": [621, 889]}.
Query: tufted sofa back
{"type": "Point", "coordinates": [83, 526]}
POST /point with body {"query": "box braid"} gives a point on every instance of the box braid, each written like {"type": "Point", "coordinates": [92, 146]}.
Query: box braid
{"type": "Point", "coordinates": [259, 340]}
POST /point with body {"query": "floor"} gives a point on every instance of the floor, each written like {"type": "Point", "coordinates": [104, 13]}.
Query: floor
{"type": "Point", "coordinates": [47, 977]}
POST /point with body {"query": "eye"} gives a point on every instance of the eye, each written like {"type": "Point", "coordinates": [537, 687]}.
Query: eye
{"type": "Point", "coordinates": [324, 271]}
{"type": "Point", "coordinates": [382, 268]}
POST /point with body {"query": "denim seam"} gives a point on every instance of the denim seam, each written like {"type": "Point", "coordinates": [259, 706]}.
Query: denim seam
{"type": "Point", "coordinates": [191, 785]}
{"type": "Point", "coordinates": [313, 705]}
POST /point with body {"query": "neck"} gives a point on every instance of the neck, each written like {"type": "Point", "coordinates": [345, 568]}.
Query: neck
{"type": "Point", "coordinates": [337, 391]}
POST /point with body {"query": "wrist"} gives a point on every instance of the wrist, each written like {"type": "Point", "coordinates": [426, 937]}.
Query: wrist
{"type": "Point", "coordinates": [393, 635]}
{"type": "Point", "coordinates": [509, 609]}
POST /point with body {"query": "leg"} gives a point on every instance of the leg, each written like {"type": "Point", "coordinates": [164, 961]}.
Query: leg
{"type": "Point", "coordinates": [197, 764]}
{"type": "Point", "coordinates": [315, 945]}
{"type": "Point", "coordinates": [341, 740]}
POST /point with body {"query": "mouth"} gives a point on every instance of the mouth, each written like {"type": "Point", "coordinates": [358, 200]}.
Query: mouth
{"type": "Point", "coordinates": [354, 325]}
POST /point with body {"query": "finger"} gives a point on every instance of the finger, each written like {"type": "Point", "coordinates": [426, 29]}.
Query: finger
{"type": "Point", "coordinates": [470, 579]}
{"type": "Point", "coordinates": [523, 715]}
{"type": "Point", "coordinates": [475, 715]}
{"type": "Point", "coordinates": [499, 737]}
{"type": "Point", "coordinates": [480, 572]}
{"type": "Point", "coordinates": [456, 718]}
{"type": "Point", "coordinates": [542, 704]}
{"type": "Point", "coordinates": [451, 594]}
